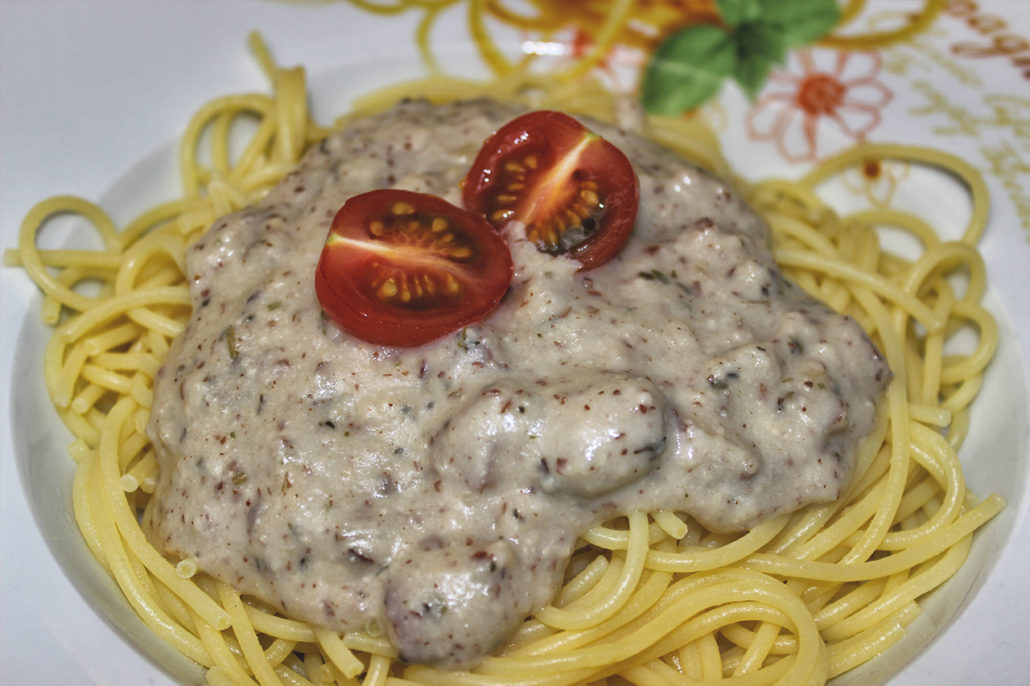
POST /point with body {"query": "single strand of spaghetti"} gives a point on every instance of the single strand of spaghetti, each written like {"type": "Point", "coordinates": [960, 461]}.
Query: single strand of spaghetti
{"type": "Point", "coordinates": [583, 581]}
{"type": "Point", "coordinates": [378, 670]}
{"type": "Point", "coordinates": [582, 617]}
{"type": "Point", "coordinates": [611, 538]}
{"type": "Point", "coordinates": [158, 343]}
{"type": "Point", "coordinates": [488, 50]}
{"type": "Point", "coordinates": [124, 361]}
{"type": "Point", "coordinates": [87, 398]}
{"type": "Point", "coordinates": [711, 657]}
{"type": "Point", "coordinates": [337, 652]}
{"type": "Point", "coordinates": [758, 649]}
{"type": "Point", "coordinates": [66, 204]}
{"type": "Point", "coordinates": [974, 363]}
{"type": "Point", "coordinates": [78, 450]}
{"type": "Point", "coordinates": [705, 559]}
{"type": "Point", "coordinates": [690, 662]}
{"type": "Point", "coordinates": [62, 366]}
{"type": "Point", "coordinates": [278, 650]}
{"type": "Point", "coordinates": [919, 552]}
{"type": "Point", "coordinates": [252, 651]}
{"type": "Point", "coordinates": [930, 414]}
{"type": "Point", "coordinates": [422, 38]}
{"type": "Point", "coordinates": [842, 270]}
{"type": "Point", "coordinates": [118, 305]}
{"type": "Point", "coordinates": [363, 642]}
{"type": "Point", "coordinates": [312, 661]}
{"type": "Point", "coordinates": [913, 224]}
{"type": "Point", "coordinates": [291, 113]}
{"type": "Point", "coordinates": [82, 493]}
{"type": "Point", "coordinates": [93, 418]}
{"type": "Point", "coordinates": [259, 49]}
{"type": "Point", "coordinates": [220, 128]}
{"type": "Point", "coordinates": [670, 523]}
{"type": "Point", "coordinates": [84, 259]}
{"type": "Point", "coordinates": [957, 401]}
{"type": "Point", "coordinates": [106, 378]}
{"type": "Point", "coordinates": [280, 627]}
{"type": "Point", "coordinates": [111, 338]}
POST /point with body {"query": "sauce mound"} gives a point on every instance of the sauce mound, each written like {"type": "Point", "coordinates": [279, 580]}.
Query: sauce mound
{"type": "Point", "coordinates": [437, 492]}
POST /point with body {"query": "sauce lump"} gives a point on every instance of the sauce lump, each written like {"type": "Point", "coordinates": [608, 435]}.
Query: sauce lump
{"type": "Point", "coordinates": [437, 492]}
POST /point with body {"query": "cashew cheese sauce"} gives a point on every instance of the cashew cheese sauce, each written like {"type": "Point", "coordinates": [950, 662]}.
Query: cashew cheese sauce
{"type": "Point", "coordinates": [436, 493]}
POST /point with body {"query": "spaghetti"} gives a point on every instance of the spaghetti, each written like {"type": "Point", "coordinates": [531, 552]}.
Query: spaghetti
{"type": "Point", "coordinates": [652, 598]}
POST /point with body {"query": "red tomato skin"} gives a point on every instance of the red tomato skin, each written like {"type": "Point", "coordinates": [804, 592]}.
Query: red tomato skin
{"type": "Point", "coordinates": [353, 259]}
{"type": "Point", "coordinates": [550, 136]}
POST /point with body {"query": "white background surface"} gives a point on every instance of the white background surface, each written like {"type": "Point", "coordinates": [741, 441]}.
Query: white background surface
{"type": "Point", "coordinates": [87, 89]}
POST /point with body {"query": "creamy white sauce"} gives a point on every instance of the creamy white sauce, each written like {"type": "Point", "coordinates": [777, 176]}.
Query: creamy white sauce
{"type": "Point", "coordinates": [437, 492]}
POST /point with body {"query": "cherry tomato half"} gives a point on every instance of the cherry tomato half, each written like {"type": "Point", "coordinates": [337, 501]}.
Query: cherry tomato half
{"type": "Point", "coordinates": [402, 268]}
{"type": "Point", "coordinates": [574, 192]}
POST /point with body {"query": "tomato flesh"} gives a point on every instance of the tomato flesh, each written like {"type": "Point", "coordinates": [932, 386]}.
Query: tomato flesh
{"type": "Point", "coordinates": [402, 268]}
{"type": "Point", "coordinates": [574, 192]}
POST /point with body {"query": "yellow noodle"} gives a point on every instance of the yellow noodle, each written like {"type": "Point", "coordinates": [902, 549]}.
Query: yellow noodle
{"type": "Point", "coordinates": [649, 601]}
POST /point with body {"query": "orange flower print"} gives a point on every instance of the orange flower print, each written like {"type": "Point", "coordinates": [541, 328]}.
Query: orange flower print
{"type": "Point", "coordinates": [817, 88]}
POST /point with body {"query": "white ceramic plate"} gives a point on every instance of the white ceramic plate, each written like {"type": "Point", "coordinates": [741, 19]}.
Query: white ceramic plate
{"type": "Point", "coordinates": [92, 96]}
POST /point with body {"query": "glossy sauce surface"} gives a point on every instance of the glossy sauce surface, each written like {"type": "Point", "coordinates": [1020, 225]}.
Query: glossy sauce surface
{"type": "Point", "coordinates": [437, 492]}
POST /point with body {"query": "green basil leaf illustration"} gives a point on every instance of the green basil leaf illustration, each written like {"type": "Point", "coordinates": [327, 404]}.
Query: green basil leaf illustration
{"type": "Point", "coordinates": [759, 47]}
{"type": "Point", "coordinates": [737, 12]}
{"type": "Point", "coordinates": [801, 21]}
{"type": "Point", "coordinates": [687, 69]}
